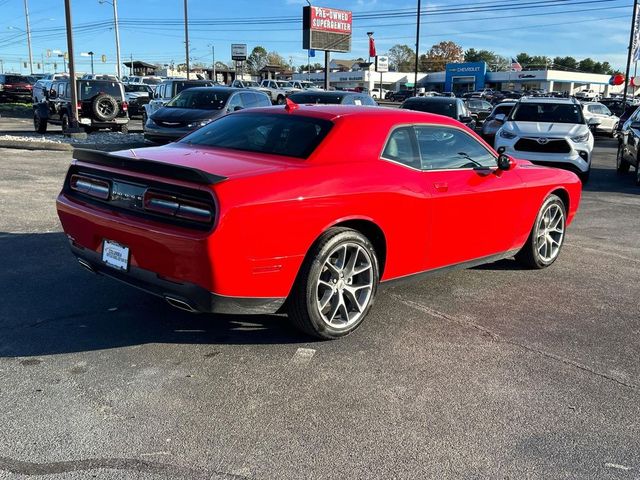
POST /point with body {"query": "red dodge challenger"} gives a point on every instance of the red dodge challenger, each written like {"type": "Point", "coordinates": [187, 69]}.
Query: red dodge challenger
{"type": "Point", "coordinates": [308, 209]}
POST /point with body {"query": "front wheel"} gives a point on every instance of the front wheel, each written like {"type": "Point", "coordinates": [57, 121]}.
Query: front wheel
{"type": "Point", "coordinates": [39, 123]}
{"type": "Point", "coordinates": [336, 285]}
{"type": "Point", "coordinates": [622, 166]}
{"type": "Point", "coordinates": [547, 235]}
{"type": "Point", "coordinates": [65, 122]}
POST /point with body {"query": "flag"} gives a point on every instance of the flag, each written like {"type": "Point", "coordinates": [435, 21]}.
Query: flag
{"type": "Point", "coordinates": [372, 46]}
{"type": "Point", "coordinates": [312, 52]}
{"type": "Point", "coordinates": [635, 46]}
{"type": "Point", "coordinates": [515, 65]}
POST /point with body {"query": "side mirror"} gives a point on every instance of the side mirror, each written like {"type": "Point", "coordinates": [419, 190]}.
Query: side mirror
{"type": "Point", "coordinates": [53, 93]}
{"type": "Point", "coordinates": [466, 119]}
{"type": "Point", "coordinates": [505, 162]}
{"type": "Point", "coordinates": [594, 122]}
{"type": "Point", "coordinates": [236, 108]}
{"type": "Point", "coordinates": [500, 117]}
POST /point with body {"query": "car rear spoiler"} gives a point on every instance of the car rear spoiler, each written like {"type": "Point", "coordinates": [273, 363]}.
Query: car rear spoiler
{"type": "Point", "coordinates": [150, 167]}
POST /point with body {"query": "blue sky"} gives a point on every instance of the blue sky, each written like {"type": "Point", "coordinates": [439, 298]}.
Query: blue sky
{"type": "Point", "coordinates": [580, 28]}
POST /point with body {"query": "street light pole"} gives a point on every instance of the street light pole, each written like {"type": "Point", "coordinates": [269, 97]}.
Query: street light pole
{"type": "Point", "coordinates": [632, 42]}
{"type": "Point", "coordinates": [415, 78]}
{"type": "Point", "coordinates": [26, 16]}
{"type": "Point", "coordinates": [115, 21]}
{"type": "Point", "coordinates": [186, 36]}
{"type": "Point", "coordinates": [73, 121]}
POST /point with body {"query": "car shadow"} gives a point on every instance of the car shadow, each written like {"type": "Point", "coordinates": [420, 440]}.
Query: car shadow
{"type": "Point", "coordinates": [50, 305]}
{"type": "Point", "coordinates": [608, 180]}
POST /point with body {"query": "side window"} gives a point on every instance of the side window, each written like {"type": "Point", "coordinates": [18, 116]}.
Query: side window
{"type": "Point", "coordinates": [348, 100]}
{"type": "Point", "coordinates": [449, 148]}
{"type": "Point", "coordinates": [401, 147]}
{"type": "Point", "coordinates": [262, 100]}
{"type": "Point", "coordinates": [161, 90]}
{"type": "Point", "coordinates": [248, 99]}
{"type": "Point", "coordinates": [60, 90]}
{"type": "Point", "coordinates": [234, 102]}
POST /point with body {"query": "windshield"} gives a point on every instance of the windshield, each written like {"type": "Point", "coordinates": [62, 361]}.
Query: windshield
{"type": "Point", "coordinates": [547, 113]}
{"type": "Point", "coordinates": [199, 99]}
{"type": "Point", "coordinates": [277, 134]}
{"type": "Point", "coordinates": [316, 98]}
{"type": "Point", "coordinates": [136, 88]}
{"type": "Point", "coordinates": [448, 109]}
{"type": "Point", "coordinates": [251, 84]}
{"type": "Point", "coordinates": [152, 81]}
{"type": "Point", "coordinates": [283, 84]}
{"type": "Point", "coordinates": [88, 89]}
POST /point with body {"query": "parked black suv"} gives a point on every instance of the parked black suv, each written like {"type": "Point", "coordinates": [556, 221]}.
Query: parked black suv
{"type": "Point", "coordinates": [447, 106]}
{"type": "Point", "coordinates": [101, 104]}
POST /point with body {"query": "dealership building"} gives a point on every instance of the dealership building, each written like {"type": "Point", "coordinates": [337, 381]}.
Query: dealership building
{"type": "Point", "coordinates": [459, 77]}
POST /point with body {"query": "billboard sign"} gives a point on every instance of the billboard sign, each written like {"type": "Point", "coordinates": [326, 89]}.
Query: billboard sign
{"type": "Point", "coordinates": [326, 29]}
{"type": "Point", "coordinates": [239, 51]}
{"type": "Point", "coordinates": [382, 64]}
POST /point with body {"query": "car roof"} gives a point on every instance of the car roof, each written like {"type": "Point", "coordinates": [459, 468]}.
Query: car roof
{"type": "Point", "coordinates": [323, 93]}
{"type": "Point", "coordinates": [214, 89]}
{"type": "Point", "coordinates": [334, 112]}
{"type": "Point", "coordinates": [431, 99]}
{"type": "Point", "coordinates": [567, 101]}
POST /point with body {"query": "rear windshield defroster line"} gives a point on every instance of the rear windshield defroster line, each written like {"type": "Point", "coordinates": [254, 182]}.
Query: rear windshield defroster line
{"type": "Point", "coordinates": [277, 134]}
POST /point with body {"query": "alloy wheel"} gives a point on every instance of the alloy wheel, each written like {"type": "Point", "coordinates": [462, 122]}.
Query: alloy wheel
{"type": "Point", "coordinates": [106, 108]}
{"type": "Point", "coordinates": [550, 232]}
{"type": "Point", "coordinates": [345, 285]}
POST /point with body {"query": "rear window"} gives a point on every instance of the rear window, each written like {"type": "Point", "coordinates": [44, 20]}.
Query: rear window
{"type": "Point", "coordinates": [547, 113]}
{"type": "Point", "coordinates": [199, 99]}
{"type": "Point", "coordinates": [152, 81]}
{"type": "Point", "coordinates": [448, 109]}
{"type": "Point", "coordinates": [277, 134]}
{"type": "Point", "coordinates": [316, 98]}
{"type": "Point", "coordinates": [16, 79]}
{"type": "Point", "coordinates": [88, 89]}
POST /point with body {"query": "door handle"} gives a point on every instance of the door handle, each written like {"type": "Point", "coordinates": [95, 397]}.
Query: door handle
{"type": "Point", "coordinates": [441, 186]}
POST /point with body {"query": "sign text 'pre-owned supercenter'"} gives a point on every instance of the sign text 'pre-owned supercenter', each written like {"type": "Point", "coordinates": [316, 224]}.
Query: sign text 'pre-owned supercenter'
{"type": "Point", "coordinates": [326, 29]}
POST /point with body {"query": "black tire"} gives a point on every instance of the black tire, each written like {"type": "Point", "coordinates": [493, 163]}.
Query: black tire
{"type": "Point", "coordinates": [622, 166]}
{"type": "Point", "coordinates": [303, 308]}
{"type": "Point", "coordinates": [105, 108]}
{"type": "Point", "coordinates": [64, 122]}
{"type": "Point", "coordinates": [87, 130]}
{"type": "Point", "coordinates": [529, 256]}
{"type": "Point", "coordinates": [39, 123]}
{"type": "Point", "coordinates": [144, 118]}
{"type": "Point", "coordinates": [584, 177]}
{"type": "Point", "coordinates": [280, 100]}
{"type": "Point", "coordinates": [638, 173]}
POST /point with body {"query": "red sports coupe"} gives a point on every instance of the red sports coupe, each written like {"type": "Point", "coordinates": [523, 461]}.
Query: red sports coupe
{"type": "Point", "coordinates": [309, 209]}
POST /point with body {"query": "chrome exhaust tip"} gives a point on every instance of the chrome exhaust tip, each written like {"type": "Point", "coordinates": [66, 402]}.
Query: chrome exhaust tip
{"type": "Point", "coordinates": [179, 304]}
{"type": "Point", "coordinates": [86, 265]}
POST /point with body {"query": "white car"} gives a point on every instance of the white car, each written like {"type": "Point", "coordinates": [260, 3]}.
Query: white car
{"type": "Point", "coordinates": [549, 131]}
{"type": "Point", "coordinates": [303, 85]}
{"type": "Point", "coordinates": [608, 121]}
{"type": "Point", "coordinates": [375, 93]}
{"type": "Point", "coordinates": [587, 95]}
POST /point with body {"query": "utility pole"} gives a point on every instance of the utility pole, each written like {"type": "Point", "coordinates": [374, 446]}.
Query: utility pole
{"type": "Point", "coordinates": [326, 70]}
{"type": "Point", "coordinates": [1, 66]}
{"type": "Point", "coordinates": [26, 16]}
{"type": "Point", "coordinates": [73, 121]}
{"type": "Point", "coordinates": [213, 61]}
{"type": "Point", "coordinates": [186, 36]}
{"type": "Point", "coordinates": [415, 78]}
{"type": "Point", "coordinates": [631, 52]}
{"type": "Point", "coordinates": [115, 22]}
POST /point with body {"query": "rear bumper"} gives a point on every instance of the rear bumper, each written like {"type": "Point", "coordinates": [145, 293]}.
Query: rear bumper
{"type": "Point", "coordinates": [186, 296]}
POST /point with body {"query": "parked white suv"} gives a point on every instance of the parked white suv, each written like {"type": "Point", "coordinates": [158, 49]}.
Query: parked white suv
{"type": "Point", "coordinates": [608, 121]}
{"type": "Point", "coordinates": [375, 93]}
{"type": "Point", "coordinates": [587, 95]}
{"type": "Point", "coordinates": [549, 131]}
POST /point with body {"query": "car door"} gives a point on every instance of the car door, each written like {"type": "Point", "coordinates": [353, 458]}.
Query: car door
{"type": "Point", "coordinates": [631, 138]}
{"type": "Point", "coordinates": [156, 102]}
{"type": "Point", "coordinates": [476, 208]}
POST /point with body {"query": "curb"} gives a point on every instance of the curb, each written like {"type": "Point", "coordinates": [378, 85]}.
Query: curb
{"type": "Point", "coordinates": [67, 147]}
{"type": "Point", "coordinates": [59, 147]}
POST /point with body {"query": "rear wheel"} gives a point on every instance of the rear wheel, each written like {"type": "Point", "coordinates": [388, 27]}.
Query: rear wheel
{"type": "Point", "coordinates": [280, 100]}
{"type": "Point", "coordinates": [336, 285]}
{"type": "Point", "coordinates": [622, 166]}
{"type": "Point", "coordinates": [39, 123]}
{"type": "Point", "coordinates": [547, 235]}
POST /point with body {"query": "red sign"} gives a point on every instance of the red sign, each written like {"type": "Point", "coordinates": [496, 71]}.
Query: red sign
{"type": "Point", "coordinates": [331, 20]}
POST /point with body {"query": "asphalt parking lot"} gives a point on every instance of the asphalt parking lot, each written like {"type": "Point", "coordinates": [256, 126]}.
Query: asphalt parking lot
{"type": "Point", "coordinates": [493, 372]}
